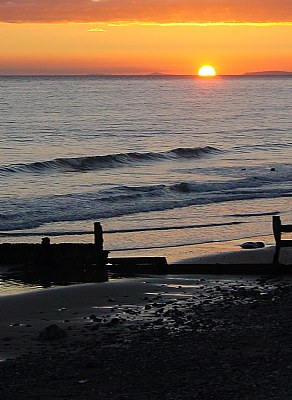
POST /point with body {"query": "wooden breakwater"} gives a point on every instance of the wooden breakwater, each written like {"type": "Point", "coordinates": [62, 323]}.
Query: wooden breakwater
{"type": "Point", "coordinates": [91, 258]}
{"type": "Point", "coordinates": [60, 264]}
{"type": "Point", "coordinates": [61, 259]}
{"type": "Point", "coordinates": [159, 265]}
{"type": "Point", "coordinates": [62, 254]}
{"type": "Point", "coordinates": [138, 265]}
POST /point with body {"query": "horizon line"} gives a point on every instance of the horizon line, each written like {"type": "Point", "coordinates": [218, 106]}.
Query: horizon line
{"type": "Point", "coordinates": [154, 74]}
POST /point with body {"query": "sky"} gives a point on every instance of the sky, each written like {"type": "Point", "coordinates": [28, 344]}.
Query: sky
{"type": "Point", "coordinates": [144, 36]}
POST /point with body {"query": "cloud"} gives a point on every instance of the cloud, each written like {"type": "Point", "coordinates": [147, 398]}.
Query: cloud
{"type": "Point", "coordinates": [146, 11]}
{"type": "Point", "coordinates": [96, 29]}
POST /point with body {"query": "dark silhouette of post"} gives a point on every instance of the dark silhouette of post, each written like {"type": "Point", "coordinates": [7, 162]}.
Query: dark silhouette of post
{"type": "Point", "coordinates": [46, 241]}
{"type": "Point", "coordinates": [277, 236]}
{"type": "Point", "coordinates": [44, 262]}
{"type": "Point", "coordinates": [101, 254]}
{"type": "Point", "coordinates": [278, 228]}
{"type": "Point", "coordinates": [98, 237]}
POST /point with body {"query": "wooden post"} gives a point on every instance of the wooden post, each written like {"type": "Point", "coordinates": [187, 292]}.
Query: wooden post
{"type": "Point", "coordinates": [277, 235]}
{"type": "Point", "coordinates": [45, 258]}
{"type": "Point", "coordinates": [101, 254]}
{"type": "Point", "coordinates": [98, 236]}
{"type": "Point", "coordinates": [46, 241]}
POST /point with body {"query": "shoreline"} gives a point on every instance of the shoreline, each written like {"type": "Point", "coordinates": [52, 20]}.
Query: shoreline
{"type": "Point", "coordinates": [228, 252]}
{"type": "Point", "coordinates": [225, 252]}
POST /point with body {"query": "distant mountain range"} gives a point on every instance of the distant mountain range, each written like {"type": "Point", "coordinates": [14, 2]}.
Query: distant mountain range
{"type": "Point", "coordinates": [255, 73]}
{"type": "Point", "coordinates": [269, 73]}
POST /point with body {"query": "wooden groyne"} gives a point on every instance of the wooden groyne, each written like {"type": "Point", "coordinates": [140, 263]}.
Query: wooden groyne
{"type": "Point", "coordinates": [59, 259]}
{"type": "Point", "coordinates": [61, 254]}
{"type": "Point", "coordinates": [92, 259]}
{"type": "Point", "coordinates": [138, 265]}
{"type": "Point", "coordinates": [158, 265]}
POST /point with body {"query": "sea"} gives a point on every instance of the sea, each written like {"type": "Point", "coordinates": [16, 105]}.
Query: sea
{"type": "Point", "coordinates": [161, 161]}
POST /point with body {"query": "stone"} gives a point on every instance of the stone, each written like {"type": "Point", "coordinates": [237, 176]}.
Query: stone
{"type": "Point", "coordinates": [114, 321]}
{"type": "Point", "coordinates": [159, 321]}
{"type": "Point", "coordinates": [52, 332]}
{"type": "Point", "coordinates": [83, 381]}
{"type": "Point", "coordinates": [252, 245]}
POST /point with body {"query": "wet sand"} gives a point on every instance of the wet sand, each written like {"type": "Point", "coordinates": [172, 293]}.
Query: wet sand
{"type": "Point", "coordinates": [229, 255]}
{"type": "Point", "coordinates": [163, 337]}
{"type": "Point", "coordinates": [221, 252]}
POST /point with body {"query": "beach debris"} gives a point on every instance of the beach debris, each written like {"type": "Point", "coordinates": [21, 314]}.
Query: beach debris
{"type": "Point", "coordinates": [52, 332]}
{"type": "Point", "coordinates": [252, 245]}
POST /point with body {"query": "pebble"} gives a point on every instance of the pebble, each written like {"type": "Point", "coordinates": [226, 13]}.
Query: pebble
{"type": "Point", "coordinates": [52, 332]}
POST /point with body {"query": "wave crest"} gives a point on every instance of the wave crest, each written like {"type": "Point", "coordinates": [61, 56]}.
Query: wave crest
{"type": "Point", "coordinates": [91, 163]}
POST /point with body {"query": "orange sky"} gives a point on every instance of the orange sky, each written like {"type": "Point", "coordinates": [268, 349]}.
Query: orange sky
{"type": "Point", "coordinates": [136, 36]}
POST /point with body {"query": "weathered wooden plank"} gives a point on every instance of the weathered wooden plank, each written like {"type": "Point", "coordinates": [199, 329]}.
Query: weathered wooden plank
{"type": "Point", "coordinates": [286, 228]}
{"type": "Point", "coordinates": [138, 265]}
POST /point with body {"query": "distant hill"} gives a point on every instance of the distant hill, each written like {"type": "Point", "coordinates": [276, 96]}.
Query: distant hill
{"type": "Point", "coordinates": [156, 73]}
{"type": "Point", "coordinates": [269, 73]}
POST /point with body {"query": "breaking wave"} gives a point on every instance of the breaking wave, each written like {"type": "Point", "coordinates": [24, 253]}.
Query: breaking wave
{"type": "Point", "coordinates": [92, 163]}
{"type": "Point", "coordinates": [128, 200]}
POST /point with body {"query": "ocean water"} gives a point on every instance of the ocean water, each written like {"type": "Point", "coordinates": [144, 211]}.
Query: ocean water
{"type": "Point", "coordinates": [159, 161]}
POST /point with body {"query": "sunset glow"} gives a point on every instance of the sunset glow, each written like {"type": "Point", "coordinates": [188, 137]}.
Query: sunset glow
{"type": "Point", "coordinates": [144, 37]}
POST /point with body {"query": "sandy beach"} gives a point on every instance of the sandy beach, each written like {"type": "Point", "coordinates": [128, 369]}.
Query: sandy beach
{"type": "Point", "coordinates": [151, 337]}
{"type": "Point", "coordinates": [216, 252]}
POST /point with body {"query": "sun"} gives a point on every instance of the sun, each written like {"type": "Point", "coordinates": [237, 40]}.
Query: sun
{"type": "Point", "coordinates": [207, 71]}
